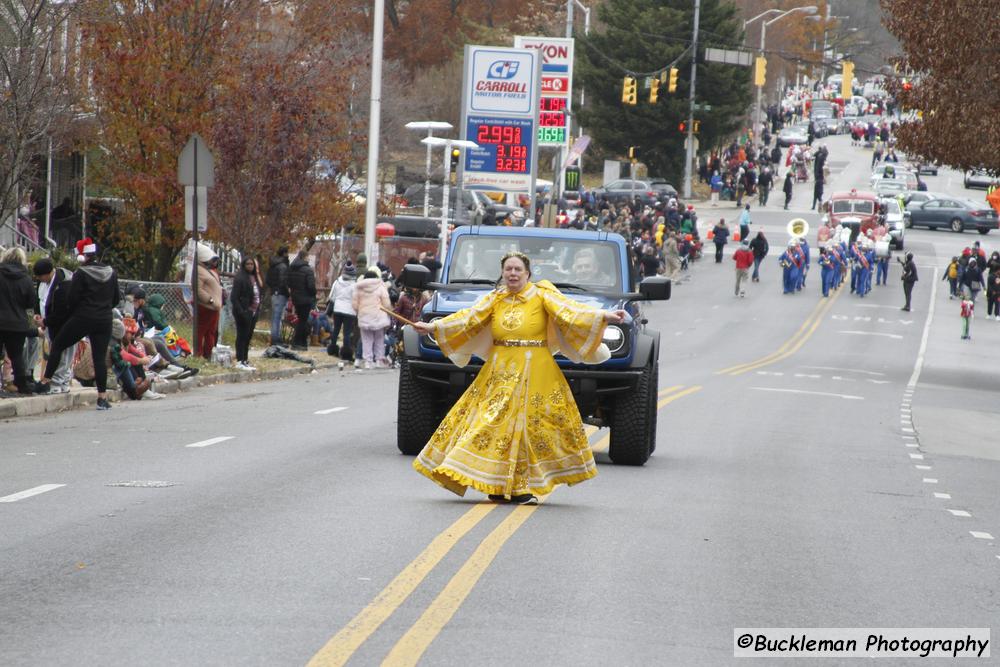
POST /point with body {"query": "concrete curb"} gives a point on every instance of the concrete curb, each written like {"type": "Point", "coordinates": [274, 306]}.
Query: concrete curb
{"type": "Point", "coordinates": [30, 406]}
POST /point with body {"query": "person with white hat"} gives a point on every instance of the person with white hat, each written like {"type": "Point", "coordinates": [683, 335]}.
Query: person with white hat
{"type": "Point", "coordinates": [209, 300]}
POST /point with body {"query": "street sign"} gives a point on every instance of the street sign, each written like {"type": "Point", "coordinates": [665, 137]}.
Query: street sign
{"type": "Point", "coordinates": [196, 158]}
{"type": "Point", "coordinates": [557, 86]}
{"type": "Point", "coordinates": [500, 113]}
{"type": "Point", "coordinates": [189, 207]}
{"type": "Point", "coordinates": [729, 57]}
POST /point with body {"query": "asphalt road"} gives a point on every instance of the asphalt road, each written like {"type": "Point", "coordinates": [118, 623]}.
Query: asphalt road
{"type": "Point", "coordinates": [820, 463]}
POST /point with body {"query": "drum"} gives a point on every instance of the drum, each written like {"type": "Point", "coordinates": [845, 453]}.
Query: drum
{"type": "Point", "coordinates": [883, 249]}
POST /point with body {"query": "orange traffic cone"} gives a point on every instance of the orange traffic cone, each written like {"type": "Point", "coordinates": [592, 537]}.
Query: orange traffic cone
{"type": "Point", "coordinates": [736, 236]}
{"type": "Point", "coordinates": [711, 234]}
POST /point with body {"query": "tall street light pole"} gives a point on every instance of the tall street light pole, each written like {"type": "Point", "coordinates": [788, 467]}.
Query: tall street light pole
{"type": "Point", "coordinates": [430, 126]}
{"type": "Point", "coordinates": [448, 144]}
{"type": "Point", "coordinates": [374, 130]}
{"type": "Point", "coordinates": [809, 9]}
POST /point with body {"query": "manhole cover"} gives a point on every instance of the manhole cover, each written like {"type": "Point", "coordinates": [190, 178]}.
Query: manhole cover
{"type": "Point", "coordinates": [144, 484]}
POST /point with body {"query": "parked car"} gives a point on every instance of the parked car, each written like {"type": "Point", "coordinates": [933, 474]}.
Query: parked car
{"type": "Point", "coordinates": [956, 214]}
{"type": "Point", "coordinates": [896, 172]}
{"type": "Point", "coordinates": [895, 220]}
{"type": "Point", "coordinates": [923, 167]}
{"type": "Point", "coordinates": [912, 199]}
{"type": "Point", "coordinates": [978, 178]}
{"type": "Point", "coordinates": [793, 135]}
{"type": "Point", "coordinates": [496, 213]}
{"type": "Point", "coordinates": [648, 191]}
{"type": "Point", "coordinates": [471, 213]}
{"type": "Point", "coordinates": [890, 187]}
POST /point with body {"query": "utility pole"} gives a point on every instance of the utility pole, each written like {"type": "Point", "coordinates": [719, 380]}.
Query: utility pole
{"type": "Point", "coordinates": [374, 131]}
{"type": "Point", "coordinates": [690, 127]}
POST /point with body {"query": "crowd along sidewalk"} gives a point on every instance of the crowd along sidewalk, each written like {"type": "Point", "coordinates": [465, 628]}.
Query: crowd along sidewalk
{"type": "Point", "coordinates": [79, 397]}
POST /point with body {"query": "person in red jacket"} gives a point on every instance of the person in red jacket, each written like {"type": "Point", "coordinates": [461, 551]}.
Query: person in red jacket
{"type": "Point", "coordinates": [744, 260]}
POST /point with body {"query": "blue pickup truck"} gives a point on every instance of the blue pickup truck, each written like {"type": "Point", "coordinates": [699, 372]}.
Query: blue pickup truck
{"type": "Point", "coordinates": [620, 393]}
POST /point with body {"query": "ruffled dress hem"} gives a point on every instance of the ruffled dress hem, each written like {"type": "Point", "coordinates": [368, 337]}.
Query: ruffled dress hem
{"type": "Point", "coordinates": [458, 483]}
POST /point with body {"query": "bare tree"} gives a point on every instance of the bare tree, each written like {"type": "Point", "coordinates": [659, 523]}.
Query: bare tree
{"type": "Point", "coordinates": [35, 98]}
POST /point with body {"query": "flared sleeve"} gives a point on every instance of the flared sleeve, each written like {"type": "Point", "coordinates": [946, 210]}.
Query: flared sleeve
{"type": "Point", "coordinates": [574, 329]}
{"type": "Point", "coordinates": [467, 332]}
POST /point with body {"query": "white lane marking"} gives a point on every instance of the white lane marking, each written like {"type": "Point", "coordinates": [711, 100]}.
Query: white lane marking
{"type": "Point", "coordinates": [872, 333]}
{"type": "Point", "coordinates": [942, 496]}
{"type": "Point", "coordinates": [904, 429]}
{"type": "Point", "coordinates": [919, 457]}
{"type": "Point", "coordinates": [27, 493]}
{"type": "Point", "coordinates": [842, 379]}
{"type": "Point", "coordinates": [329, 411]}
{"type": "Point", "coordinates": [924, 468]}
{"type": "Point", "coordinates": [907, 437]}
{"type": "Point", "coordinates": [911, 444]}
{"type": "Point", "coordinates": [980, 536]}
{"type": "Point", "coordinates": [846, 370]}
{"type": "Point", "coordinates": [211, 441]}
{"type": "Point", "coordinates": [813, 393]}
{"type": "Point", "coordinates": [770, 373]}
{"type": "Point", "coordinates": [959, 513]}
{"type": "Point", "coordinates": [808, 375]}
{"type": "Point", "coordinates": [918, 365]}
{"type": "Point", "coordinates": [873, 381]}
{"type": "Point", "coordinates": [930, 480]}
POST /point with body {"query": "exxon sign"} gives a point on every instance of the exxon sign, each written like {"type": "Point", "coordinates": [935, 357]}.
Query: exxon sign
{"type": "Point", "coordinates": [501, 81]}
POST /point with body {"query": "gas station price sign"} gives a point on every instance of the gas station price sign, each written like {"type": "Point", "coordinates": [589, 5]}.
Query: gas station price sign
{"type": "Point", "coordinates": [552, 120]}
{"type": "Point", "coordinates": [505, 145]}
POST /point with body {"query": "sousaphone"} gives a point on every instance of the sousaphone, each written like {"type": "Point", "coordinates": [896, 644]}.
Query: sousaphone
{"type": "Point", "coordinates": [797, 228]}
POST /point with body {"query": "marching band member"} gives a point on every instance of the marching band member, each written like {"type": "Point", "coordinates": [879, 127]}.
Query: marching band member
{"type": "Point", "coordinates": [804, 249]}
{"type": "Point", "coordinates": [827, 264]}
{"type": "Point", "coordinates": [790, 267]}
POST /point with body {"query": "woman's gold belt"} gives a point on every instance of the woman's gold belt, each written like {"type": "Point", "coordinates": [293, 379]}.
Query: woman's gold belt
{"type": "Point", "coordinates": [520, 343]}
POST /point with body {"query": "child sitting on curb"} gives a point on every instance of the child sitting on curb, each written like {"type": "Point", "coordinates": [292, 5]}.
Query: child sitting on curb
{"type": "Point", "coordinates": [128, 361]}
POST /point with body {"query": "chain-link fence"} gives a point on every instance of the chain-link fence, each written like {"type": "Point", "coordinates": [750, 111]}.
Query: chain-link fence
{"type": "Point", "coordinates": [177, 307]}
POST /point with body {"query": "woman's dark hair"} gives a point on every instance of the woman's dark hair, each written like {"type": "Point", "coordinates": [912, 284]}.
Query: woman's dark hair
{"type": "Point", "coordinates": [521, 256]}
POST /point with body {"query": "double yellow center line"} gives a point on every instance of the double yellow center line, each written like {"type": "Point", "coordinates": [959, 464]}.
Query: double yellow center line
{"type": "Point", "coordinates": [418, 638]}
{"type": "Point", "coordinates": [793, 344]}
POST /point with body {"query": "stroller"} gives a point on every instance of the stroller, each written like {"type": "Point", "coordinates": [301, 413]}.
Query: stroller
{"type": "Point", "coordinates": [801, 171]}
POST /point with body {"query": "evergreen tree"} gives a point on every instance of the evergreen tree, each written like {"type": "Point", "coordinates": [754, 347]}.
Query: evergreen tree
{"type": "Point", "coordinates": [641, 38]}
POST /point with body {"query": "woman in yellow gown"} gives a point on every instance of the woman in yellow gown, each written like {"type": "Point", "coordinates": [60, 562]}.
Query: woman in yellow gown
{"type": "Point", "coordinates": [516, 432]}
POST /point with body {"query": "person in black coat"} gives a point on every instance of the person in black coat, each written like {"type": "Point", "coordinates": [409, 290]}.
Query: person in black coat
{"type": "Point", "coordinates": [245, 299]}
{"type": "Point", "coordinates": [760, 248]}
{"type": "Point", "coordinates": [720, 236]}
{"type": "Point", "coordinates": [93, 293]}
{"type": "Point", "coordinates": [54, 312]}
{"type": "Point", "coordinates": [909, 278]}
{"type": "Point", "coordinates": [787, 188]}
{"type": "Point", "coordinates": [277, 285]}
{"type": "Point", "coordinates": [16, 297]}
{"type": "Point", "coordinates": [302, 289]}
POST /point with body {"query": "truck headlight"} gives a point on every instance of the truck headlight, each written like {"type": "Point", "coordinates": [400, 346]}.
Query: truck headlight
{"type": "Point", "coordinates": [614, 338]}
{"type": "Point", "coordinates": [430, 337]}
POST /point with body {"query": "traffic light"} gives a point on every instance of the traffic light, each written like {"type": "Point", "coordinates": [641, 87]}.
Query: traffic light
{"type": "Point", "coordinates": [846, 85]}
{"type": "Point", "coordinates": [632, 152]}
{"type": "Point", "coordinates": [697, 126]}
{"type": "Point", "coordinates": [455, 154]}
{"type": "Point", "coordinates": [682, 126]}
{"type": "Point", "coordinates": [654, 90]}
{"type": "Point", "coordinates": [760, 71]}
{"type": "Point", "coordinates": [672, 82]}
{"type": "Point", "coordinates": [628, 90]}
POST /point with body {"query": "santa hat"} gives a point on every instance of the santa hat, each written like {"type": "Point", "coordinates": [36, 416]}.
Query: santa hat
{"type": "Point", "coordinates": [86, 246]}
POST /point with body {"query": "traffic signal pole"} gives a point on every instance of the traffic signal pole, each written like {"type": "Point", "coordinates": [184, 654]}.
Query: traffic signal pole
{"type": "Point", "coordinates": [690, 128]}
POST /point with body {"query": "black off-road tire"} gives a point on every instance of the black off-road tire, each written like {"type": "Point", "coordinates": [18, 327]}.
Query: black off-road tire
{"type": "Point", "coordinates": [631, 422]}
{"type": "Point", "coordinates": [654, 398]}
{"type": "Point", "coordinates": [416, 412]}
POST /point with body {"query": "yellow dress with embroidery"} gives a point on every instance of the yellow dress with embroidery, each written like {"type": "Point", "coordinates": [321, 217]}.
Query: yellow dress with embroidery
{"type": "Point", "coordinates": [516, 429]}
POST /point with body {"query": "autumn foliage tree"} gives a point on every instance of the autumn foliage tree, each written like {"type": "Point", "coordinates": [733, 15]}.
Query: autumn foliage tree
{"type": "Point", "coordinates": [948, 64]}
{"type": "Point", "coordinates": [262, 83]}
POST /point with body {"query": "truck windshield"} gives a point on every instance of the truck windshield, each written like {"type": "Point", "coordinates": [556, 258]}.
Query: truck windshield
{"type": "Point", "coordinates": [862, 206]}
{"type": "Point", "coordinates": [580, 262]}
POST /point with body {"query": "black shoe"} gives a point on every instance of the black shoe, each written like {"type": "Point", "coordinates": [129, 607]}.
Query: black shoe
{"type": "Point", "coordinates": [905, 308]}
{"type": "Point", "coordinates": [102, 404]}
{"type": "Point", "coordinates": [191, 371]}
{"type": "Point", "coordinates": [524, 499]}
{"type": "Point", "coordinates": [497, 498]}
{"type": "Point", "coordinates": [41, 388]}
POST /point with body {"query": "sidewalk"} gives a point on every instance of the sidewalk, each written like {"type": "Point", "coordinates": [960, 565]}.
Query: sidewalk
{"type": "Point", "coordinates": [79, 397]}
